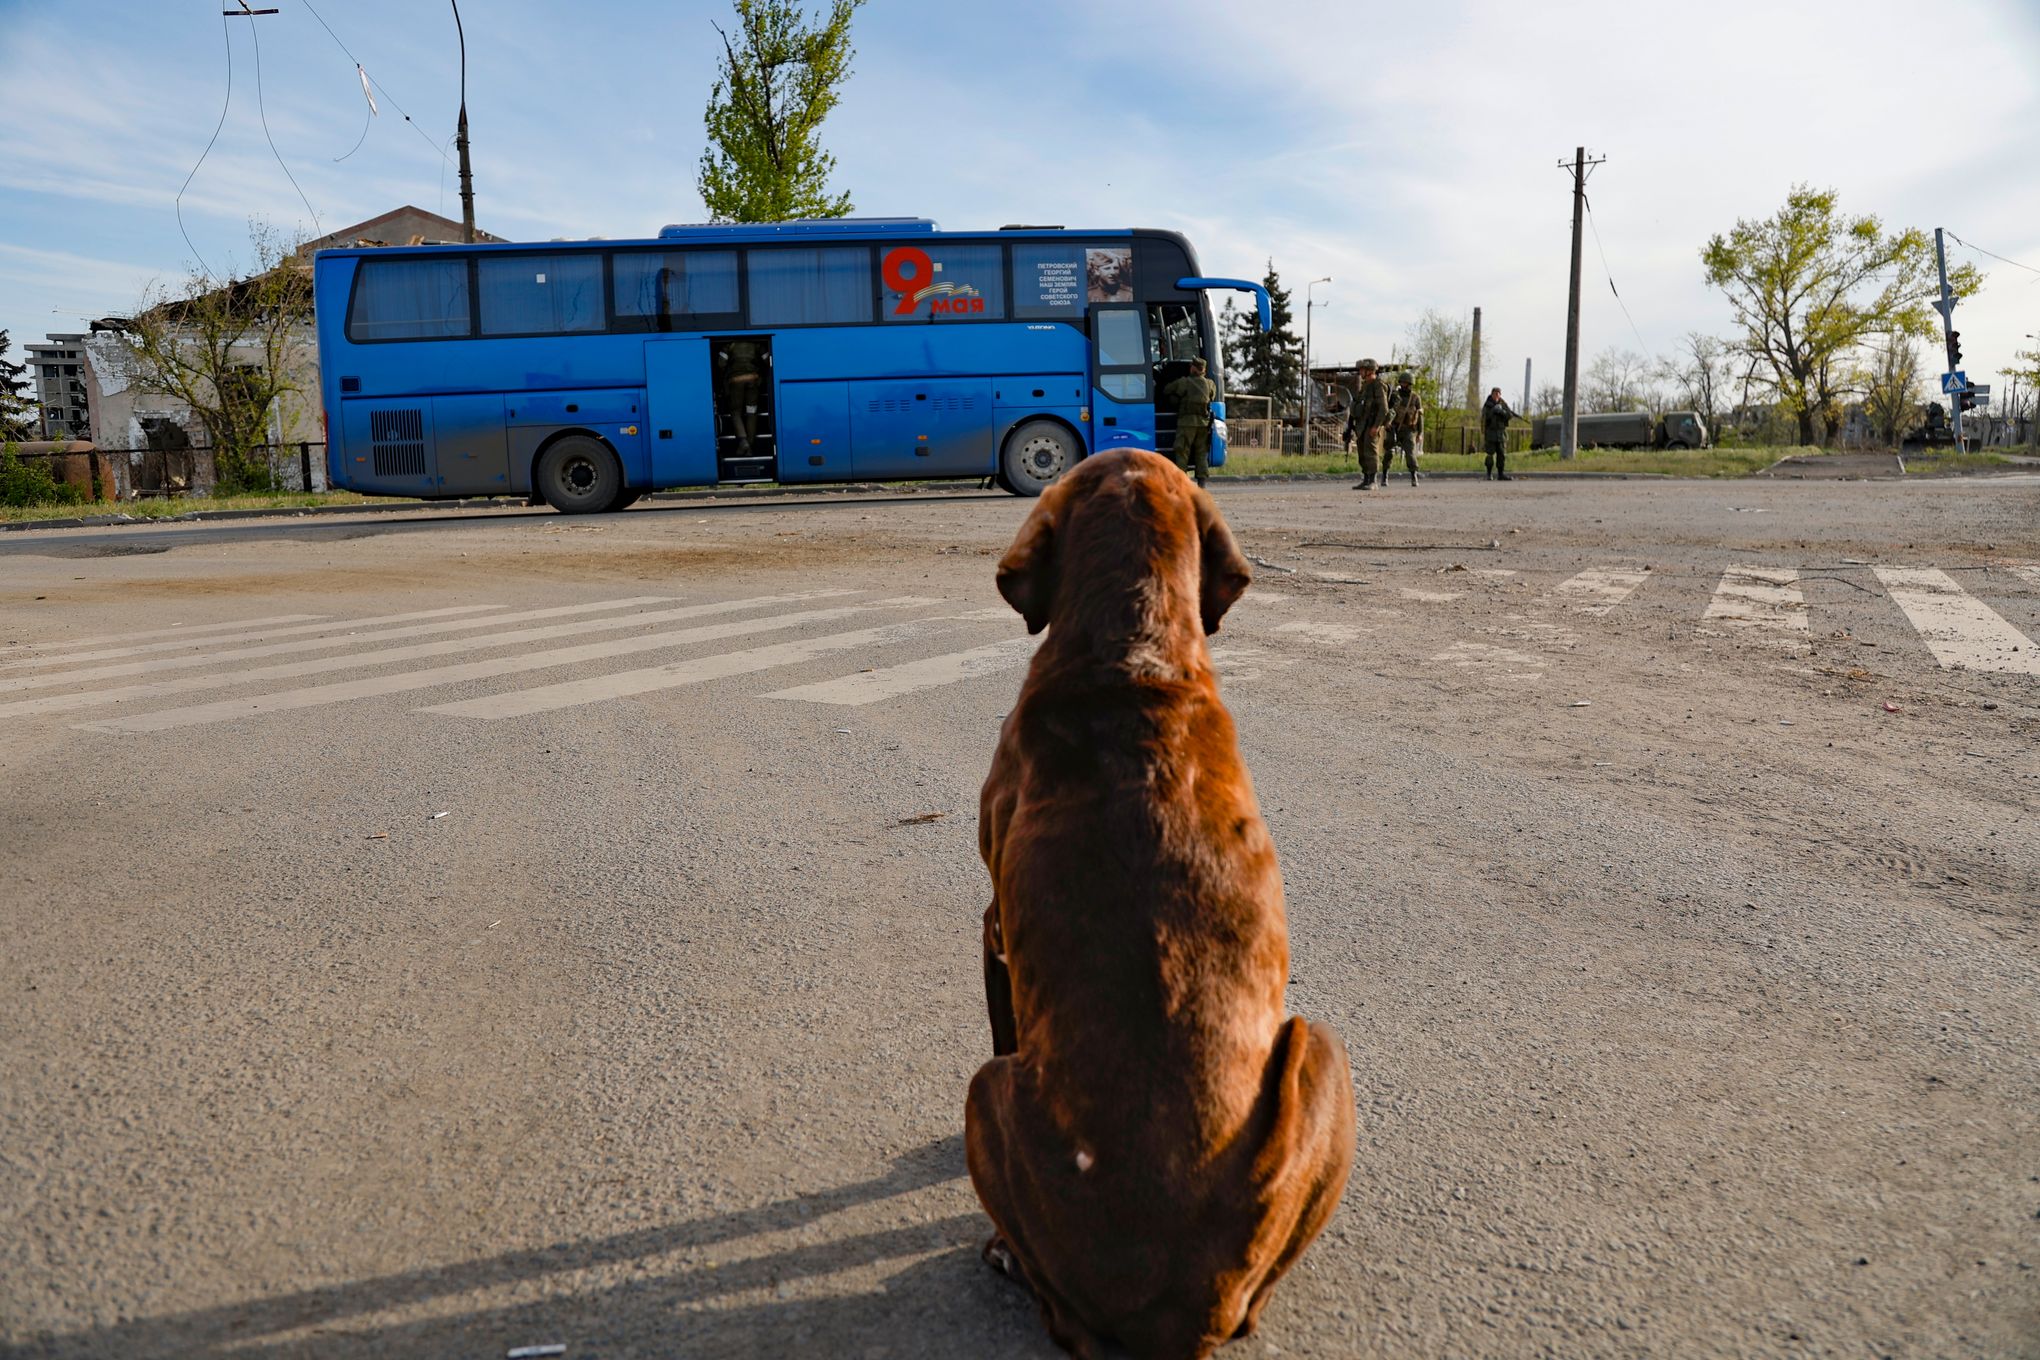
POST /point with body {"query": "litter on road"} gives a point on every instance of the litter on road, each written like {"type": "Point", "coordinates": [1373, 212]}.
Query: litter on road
{"type": "Point", "coordinates": [535, 1352]}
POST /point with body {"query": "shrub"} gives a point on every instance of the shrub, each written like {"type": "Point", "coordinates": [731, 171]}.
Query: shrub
{"type": "Point", "coordinates": [28, 482]}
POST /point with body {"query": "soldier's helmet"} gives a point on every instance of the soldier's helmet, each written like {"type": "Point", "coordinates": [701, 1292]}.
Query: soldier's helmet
{"type": "Point", "coordinates": [1367, 366]}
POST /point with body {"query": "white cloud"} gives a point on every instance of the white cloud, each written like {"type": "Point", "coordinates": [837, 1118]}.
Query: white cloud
{"type": "Point", "coordinates": [1409, 151]}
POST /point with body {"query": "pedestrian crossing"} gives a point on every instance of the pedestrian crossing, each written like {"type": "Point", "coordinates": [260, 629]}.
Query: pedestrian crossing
{"type": "Point", "coordinates": [1759, 597]}
{"type": "Point", "coordinates": [889, 649]}
{"type": "Point", "coordinates": [1960, 629]}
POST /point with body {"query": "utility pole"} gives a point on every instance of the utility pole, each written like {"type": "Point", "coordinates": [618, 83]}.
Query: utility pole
{"type": "Point", "coordinates": [1526, 389]}
{"type": "Point", "coordinates": [1305, 384]}
{"type": "Point", "coordinates": [468, 174]}
{"type": "Point", "coordinates": [1473, 367]}
{"type": "Point", "coordinates": [1569, 422]}
{"type": "Point", "coordinates": [1945, 305]}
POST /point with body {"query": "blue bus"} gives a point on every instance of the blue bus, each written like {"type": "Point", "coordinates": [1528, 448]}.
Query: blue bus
{"type": "Point", "coordinates": [586, 373]}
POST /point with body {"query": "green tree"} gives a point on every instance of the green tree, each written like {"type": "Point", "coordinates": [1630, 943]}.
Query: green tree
{"type": "Point", "coordinates": [779, 78]}
{"type": "Point", "coordinates": [229, 351]}
{"type": "Point", "coordinates": [18, 409]}
{"type": "Point", "coordinates": [1265, 363]}
{"type": "Point", "coordinates": [1810, 286]}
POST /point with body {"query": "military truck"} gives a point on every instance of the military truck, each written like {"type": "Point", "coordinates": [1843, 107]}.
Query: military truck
{"type": "Point", "coordinates": [1627, 430]}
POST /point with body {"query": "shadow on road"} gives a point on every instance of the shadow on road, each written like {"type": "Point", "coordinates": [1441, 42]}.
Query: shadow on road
{"type": "Point", "coordinates": [950, 1293]}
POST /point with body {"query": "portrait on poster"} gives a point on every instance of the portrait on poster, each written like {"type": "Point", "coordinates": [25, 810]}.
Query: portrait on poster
{"type": "Point", "coordinates": [1108, 273]}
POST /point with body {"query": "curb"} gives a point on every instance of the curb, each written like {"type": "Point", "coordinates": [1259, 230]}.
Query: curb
{"type": "Point", "coordinates": [1456, 475]}
{"type": "Point", "coordinates": [961, 486]}
{"type": "Point", "coordinates": [956, 487]}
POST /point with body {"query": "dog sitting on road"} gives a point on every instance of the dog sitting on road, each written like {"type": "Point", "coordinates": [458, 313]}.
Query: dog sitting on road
{"type": "Point", "coordinates": [1154, 1141]}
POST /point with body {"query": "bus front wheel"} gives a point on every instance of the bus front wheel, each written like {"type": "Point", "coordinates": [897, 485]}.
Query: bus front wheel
{"type": "Point", "coordinates": [578, 475]}
{"type": "Point", "coordinates": [1036, 455]}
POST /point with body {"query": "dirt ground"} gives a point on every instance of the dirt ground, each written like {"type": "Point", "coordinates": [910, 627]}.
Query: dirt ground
{"type": "Point", "coordinates": [1674, 889]}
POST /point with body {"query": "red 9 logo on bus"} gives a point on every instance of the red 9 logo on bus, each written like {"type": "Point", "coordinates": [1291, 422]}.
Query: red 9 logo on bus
{"type": "Point", "coordinates": [909, 271]}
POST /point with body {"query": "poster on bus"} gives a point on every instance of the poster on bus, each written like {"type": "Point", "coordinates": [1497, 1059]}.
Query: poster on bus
{"type": "Point", "coordinates": [1108, 274]}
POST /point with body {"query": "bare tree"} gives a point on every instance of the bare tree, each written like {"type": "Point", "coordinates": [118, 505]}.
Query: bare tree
{"type": "Point", "coordinates": [230, 351]}
{"type": "Point", "coordinates": [1550, 397]}
{"type": "Point", "coordinates": [1616, 381]}
{"type": "Point", "coordinates": [1442, 347]}
{"type": "Point", "coordinates": [1698, 374]}
{"type": "Point", "coordinates": [1891, 388]}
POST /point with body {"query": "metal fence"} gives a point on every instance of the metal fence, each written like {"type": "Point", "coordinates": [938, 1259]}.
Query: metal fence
{"type": "Point", "coordinates": [138, 474]}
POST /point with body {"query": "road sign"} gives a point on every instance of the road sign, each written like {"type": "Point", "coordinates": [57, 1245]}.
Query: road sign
{"type": "Point", "coordinates": [1952, 383]}
{"type": "Point", "coordinates": [1980, 389]}
{"type": "Point", "coordinates": [1983, 400]}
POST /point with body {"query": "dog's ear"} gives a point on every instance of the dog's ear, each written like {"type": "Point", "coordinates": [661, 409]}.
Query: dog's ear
{"type": "Point", "coordinates": [1027, 573]}
{"type": "Point", "coordinates": [1223, 573]}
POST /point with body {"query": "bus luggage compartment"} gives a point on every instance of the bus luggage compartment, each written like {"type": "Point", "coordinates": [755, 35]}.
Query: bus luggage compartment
{"type": "Point", "coordinates": [921, 427]}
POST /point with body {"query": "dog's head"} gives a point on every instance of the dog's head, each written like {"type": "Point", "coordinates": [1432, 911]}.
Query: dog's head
{"type": "Point", "coordinates": [1126, 508]}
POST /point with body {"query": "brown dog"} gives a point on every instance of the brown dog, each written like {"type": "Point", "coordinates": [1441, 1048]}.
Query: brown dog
{"type": "Point", "coordinates": [1155, 1143]}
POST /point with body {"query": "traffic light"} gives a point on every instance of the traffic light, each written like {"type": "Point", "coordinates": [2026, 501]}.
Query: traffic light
{"type": "Point", "coordinates": [1967, 401]}
{"type": "Point", "coordinates": [1954, 351]}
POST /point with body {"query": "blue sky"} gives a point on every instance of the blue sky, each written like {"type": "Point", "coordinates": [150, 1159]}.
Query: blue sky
{"type": "Point", "coordinates": [1408, 151]}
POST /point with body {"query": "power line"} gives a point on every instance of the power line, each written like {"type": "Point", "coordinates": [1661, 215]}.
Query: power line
{"type": "Point", "coordinates": [1995, 256]}
{"type": "Point", "coordinates": [1610, 274]}
{"type": "Point", "coordinates": [367, 118]}
{"type": "Point", "coordinates": [317, 226]}
{"type": "Point", "coordinates": [227, 36]}
{"type": "Point", "coordinates": [373, 81]}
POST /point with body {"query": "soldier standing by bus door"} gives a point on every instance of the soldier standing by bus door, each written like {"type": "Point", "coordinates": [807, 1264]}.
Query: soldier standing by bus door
{"type": "Point", "coordinates": [1405, 427]}
{"type": "Point", "coordinates": [1192, 395]}
{"type": "Point", "coordinates": [1370, 424]}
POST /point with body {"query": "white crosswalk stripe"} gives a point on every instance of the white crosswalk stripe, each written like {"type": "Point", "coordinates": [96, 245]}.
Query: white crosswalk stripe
{"type": "Point", "coordinates": [316, 696]}
{"type": "Point", "coordinates": [573, 693]}
{"type": "Point", "coordinates": [869, 687]}
{"type": "Point", "coordinates": [52, 679]}
{"type": "Point", "coordinates": [1602, 588]}
{"type": "Point", "coordinates": [57, 703]}
{"type": "Point", "coordinates": [1960, 630]}
{"type": "Point", "coordinates": [1758, 597]}
{"type": "Point", "coordinates": [74, 658]}
{"type": "Point", "coordinates": [184, 630]}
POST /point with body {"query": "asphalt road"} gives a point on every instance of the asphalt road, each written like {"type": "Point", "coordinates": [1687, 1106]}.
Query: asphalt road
{"type": "Point", "coordinates": [432, 935]}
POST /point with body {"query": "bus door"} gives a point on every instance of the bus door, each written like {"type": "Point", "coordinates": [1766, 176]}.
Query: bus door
{"type": "Point", "coordinates": [1175, 340]}
{"type": "Point", "coordinates": [680, 405]}
{"type": "Point", "coordinates": [1122, 377]}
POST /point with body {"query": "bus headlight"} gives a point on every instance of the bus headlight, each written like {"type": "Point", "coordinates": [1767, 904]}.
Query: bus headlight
{"type": "Point", "coordinates": [1218, 429]}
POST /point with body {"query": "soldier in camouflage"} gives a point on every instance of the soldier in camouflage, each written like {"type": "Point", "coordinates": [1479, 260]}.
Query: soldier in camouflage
{"type": "Point", "coordinates": [1370, 424]}
{"type": "Point", "coordinates": [1192, 395]}
{"type": "Point", "coordinates": [1495, 416]}
{"type": "Point", "coordinates": [743, 376]}
{"type": "Point", "coordinates": [1405, 427]}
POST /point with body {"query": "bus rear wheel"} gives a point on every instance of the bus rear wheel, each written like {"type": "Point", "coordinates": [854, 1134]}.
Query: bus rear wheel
{"type": "Point", "coordinates": [1036, 455]}
{"type": "Point", "coordinates": [578, 475]}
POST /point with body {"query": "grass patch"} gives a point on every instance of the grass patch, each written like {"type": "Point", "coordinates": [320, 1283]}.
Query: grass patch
{"type": "Point", "coordinates": [1668, 462]}
{"type": "Point", "coordinates": [169, 507]}
{"type": "Point", "coordinates": [1928, 462]}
